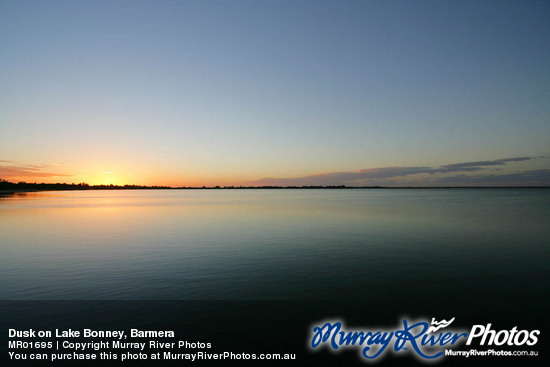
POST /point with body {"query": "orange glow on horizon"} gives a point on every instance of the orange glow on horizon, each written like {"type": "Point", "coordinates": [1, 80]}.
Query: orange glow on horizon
{"type": "Point", "coordinates": [112, 178]}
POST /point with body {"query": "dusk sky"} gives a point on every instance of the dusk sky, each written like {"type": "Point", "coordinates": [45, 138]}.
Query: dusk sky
{"type": "Point", "coordinates": [186, 93]}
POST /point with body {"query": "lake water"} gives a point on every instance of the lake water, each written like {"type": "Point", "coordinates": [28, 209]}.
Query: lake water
{"type": "Point", "coordinates": [274, 244]}
{"type": "Point", "coordinates": [254, 270]}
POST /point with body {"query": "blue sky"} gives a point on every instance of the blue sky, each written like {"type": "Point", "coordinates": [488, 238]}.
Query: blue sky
{"type": "Point", "coordinates": [237, 92]}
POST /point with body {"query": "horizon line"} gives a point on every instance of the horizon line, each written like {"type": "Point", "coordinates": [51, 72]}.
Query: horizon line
{"type": "Point", "coordinates": [26, 186]}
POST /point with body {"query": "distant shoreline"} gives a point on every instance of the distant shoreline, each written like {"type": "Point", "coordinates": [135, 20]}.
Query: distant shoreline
{"type": "Point", "coordinates": [9, 187]}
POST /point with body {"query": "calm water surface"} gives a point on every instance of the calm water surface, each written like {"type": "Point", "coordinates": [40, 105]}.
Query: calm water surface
{"type": "Point", "coordinates": [274, 244]}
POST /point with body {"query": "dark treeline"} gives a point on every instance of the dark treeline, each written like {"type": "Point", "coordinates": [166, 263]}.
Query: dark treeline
{"type": "Point", "coordinates": [267, 187]}
{"type": "Point", "coordinates": [6, 186]}
{"type": "Point", "coordinates": [24, 186]}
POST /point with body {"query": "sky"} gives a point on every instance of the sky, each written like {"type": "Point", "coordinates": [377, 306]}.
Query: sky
{"type": "Point", "coordinates": [357, 93]}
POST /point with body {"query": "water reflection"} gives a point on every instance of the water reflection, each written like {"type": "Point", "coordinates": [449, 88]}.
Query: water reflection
{"type": "Point", "coordinates": [27, 194]}
{"type": "Point", "coordinates": [271, 244]}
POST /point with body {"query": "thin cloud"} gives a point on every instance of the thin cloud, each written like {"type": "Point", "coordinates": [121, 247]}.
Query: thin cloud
{"type": "Point", "coordinates": [27, 171]}
{"type": "Point", "coordinates": [382, 175]}
{"type": "Point", "coordinates": [517, 159]}
{"type": "Point", "coordinates": [338, 178]}
{"type": "Point", "coordinates": [479, 165]}
{"type": "Point", "coordinates": [387, 172]}
{"type": "Point", "coordinates": [527, 178]}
